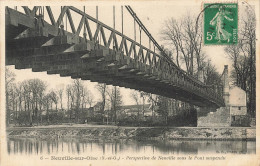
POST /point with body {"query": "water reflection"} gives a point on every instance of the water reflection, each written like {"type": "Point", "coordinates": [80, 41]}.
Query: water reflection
{"type": "Point", "coordinates": [33, 146]}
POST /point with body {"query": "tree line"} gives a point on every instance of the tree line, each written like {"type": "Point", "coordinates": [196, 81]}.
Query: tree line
{"type": "Point", "coordinates": [31, 101]}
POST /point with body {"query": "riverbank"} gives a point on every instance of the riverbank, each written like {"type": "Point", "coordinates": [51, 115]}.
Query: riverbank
{"type": "Point", "coordinates": [144, 133]}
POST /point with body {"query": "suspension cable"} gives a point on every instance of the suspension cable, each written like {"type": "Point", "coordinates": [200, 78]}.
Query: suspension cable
{"type": "Point", "coordinates": [140, 29]}
{"type": "Point", "coordinates": [39, 11]}
{"type": "Point", "coordinates": [61, 23]}
{"type": "Point", "coordinates": [84, 28]}
{"type": "Point", "coordinates": [122, 12]}
{"type": "Point", "coordinates": [97, 15]}
{"type": "Point", "coordinates": [84, 24]}
{"type": "Point", "coordinates": [114, 26]}
{"type": "Point", "coordinates": [43, 12]}
{"type": "Point", "coordinates": [66, 21]}
{"type": "Point", "coordinates": [135, 29]}
{"type": "Point", "coordinates": [130, 10]}
{"type": "Point", "coordinates": [98, 40]}
{"type": "Point", "coordinates": [114, 21]}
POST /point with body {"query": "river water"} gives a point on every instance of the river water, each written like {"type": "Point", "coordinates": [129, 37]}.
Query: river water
{"type": "Point", "coordinates": [76, 146]}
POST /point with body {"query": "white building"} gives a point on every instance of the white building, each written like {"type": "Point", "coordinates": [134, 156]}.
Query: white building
{"type": "Point", "coordinates": [237, 103]}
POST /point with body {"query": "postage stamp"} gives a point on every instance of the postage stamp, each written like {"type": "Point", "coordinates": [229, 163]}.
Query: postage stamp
{"type": "Point", "coordinates": [220, 23]}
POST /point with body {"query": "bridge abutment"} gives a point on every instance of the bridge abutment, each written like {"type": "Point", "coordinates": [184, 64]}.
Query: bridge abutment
{"type": "Point", "coordinates": [213, 117]}
{"type": "Point", "coordinates": [216, 117]}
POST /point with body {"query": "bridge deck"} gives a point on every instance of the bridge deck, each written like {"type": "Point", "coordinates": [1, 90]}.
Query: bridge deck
{"type": "Point", "coordinates": [33, 43]}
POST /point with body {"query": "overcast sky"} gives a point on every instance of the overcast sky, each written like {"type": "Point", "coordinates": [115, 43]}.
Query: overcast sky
{"type": "Point", "coordinates": [152, 16]}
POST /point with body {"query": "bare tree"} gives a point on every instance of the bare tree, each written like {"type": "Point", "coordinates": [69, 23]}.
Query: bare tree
{"type": "Point", "coordinates": [185, 36]}
{"type": "Point", "coordinates": [153, 101]}
{"type": "Point", "coordinates": [71, 99]}
{"type": "Point", "coordinates": [163, 107]}
{"type": "Point", "coordinates": [90, 98]}
{"type": "Point", "coordinates": [54, 98]}
{"type": "Point", "coordinates": [243, 56]}
{"type": "Point", "coordinates": [19, 91]}
{"type": "Point", "coordinates": [47, 104]}
{"type": "Point", "coordinates": [143, 95]}
{"type": "Point", "coordinates": [102, 90]}
{"type": "Point", "coordinates": [84, 94]}
{"type": "Point", "coordinates": [60, 93]}
{"type": "Point", "coordinates": [69, 102]}
{"type": "Point", "coordinates": [28, 96]}
{"type": "Point", "coordinates": [74, 94]}
{"type": "Point", "coordinates": [111, 100]}
{"type": "Point", "coordinates": [13, 100]}
{"type": "Point", "coordinates": [37, 87]}
{"type": "Point", "coordinates": [9, 79]}
{"type": "Point", "coordinates": [211, 76]}
{"type": "Point", "coordinates": [136, 96]}
{"type": "Point", "coordinates": [115, 100]}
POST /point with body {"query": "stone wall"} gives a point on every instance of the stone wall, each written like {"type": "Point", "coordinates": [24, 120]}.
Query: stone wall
{"type": "Point", "coordinates": [219, 118]}
{"type": "Point", "coordinates": [111, 133]}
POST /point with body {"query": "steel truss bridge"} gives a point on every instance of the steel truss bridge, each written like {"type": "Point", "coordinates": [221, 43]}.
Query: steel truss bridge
{"type": "Point", "coordinates": [32, 42]}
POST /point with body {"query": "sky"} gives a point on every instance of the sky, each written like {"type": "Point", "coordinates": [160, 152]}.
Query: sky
{"type": "Point", "coordinates": [153, 17]}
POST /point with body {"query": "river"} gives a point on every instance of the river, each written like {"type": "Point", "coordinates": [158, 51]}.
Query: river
{"type": "Point", "coordinates": [77, 146]}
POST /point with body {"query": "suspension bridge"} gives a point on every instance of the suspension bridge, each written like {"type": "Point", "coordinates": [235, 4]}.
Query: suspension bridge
{"type": "Point", "coordinates": [88, 53]}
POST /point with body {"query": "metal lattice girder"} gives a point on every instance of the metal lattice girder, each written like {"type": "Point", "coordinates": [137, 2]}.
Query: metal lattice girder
{"type": "Point", "coordinates": [52, 49]}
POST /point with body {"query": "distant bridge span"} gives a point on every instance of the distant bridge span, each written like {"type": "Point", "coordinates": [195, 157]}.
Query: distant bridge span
{"type": "Point", "coordinates": [31, 42]}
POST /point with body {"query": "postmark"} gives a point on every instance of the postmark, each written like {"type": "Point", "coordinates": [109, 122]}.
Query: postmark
{"type": "Point", "coordinates": [220, 23]}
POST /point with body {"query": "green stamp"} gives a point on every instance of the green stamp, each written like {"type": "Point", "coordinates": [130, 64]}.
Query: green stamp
{"type": "Point", "coordinates": [220, 23]}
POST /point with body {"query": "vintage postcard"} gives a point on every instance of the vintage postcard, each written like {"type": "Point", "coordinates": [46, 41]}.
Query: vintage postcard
{"type": "Point", "coordinates": [158, 83]}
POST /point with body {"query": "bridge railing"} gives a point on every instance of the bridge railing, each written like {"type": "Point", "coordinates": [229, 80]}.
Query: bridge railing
{"type": "Point", "coordinates": [128, 47]}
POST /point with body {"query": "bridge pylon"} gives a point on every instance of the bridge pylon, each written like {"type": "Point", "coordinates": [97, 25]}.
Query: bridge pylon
{"type": "Point", "coordinates": [226, 85]}
{"type": "Point", "coordinates": [216, 117]}
{"type": "Point", "coordinates": [201, 74]}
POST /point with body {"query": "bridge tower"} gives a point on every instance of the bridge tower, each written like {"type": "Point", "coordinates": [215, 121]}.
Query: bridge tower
{"type": "Point", "coordinates": [226, 85]}
{"type": "Point", "coordinates": [216, 117]}
{"type": "Point", "coordinates": [201, 74]}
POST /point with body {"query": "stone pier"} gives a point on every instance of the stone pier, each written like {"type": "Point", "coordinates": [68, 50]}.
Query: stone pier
{"type": "Point", "coordinates": [216, 117]}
